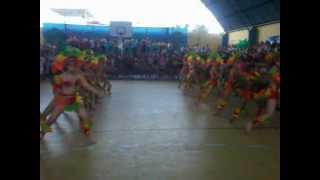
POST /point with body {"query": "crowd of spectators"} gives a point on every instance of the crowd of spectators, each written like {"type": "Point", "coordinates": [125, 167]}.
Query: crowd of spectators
{"type": "Point", "coordinates": [132, 58]}
{"type": "Point", "coordinates": [47, 54]}
{"type": "Point", "coordinates": [145, 59]}
{"type": "Point", "coordinates": [254, 54]}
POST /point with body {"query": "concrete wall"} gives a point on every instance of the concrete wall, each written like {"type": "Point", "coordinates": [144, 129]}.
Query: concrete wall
{"type": "Point", "coordinates": [264, 32]}
{"type": "Point", "coordinates": [268, 30]}
{"type": "Point", "coordinates": [212, 40]}
{"type": "Point", "coordinates": [235, 37]}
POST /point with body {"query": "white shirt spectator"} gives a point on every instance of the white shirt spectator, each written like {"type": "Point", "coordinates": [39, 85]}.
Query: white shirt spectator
{"type": "Point", "coordinates": [42, 61]}
{"type": "Point", "coordinates": [91, 44]}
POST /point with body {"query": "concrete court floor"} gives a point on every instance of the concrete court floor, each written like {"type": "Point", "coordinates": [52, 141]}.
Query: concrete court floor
{"type": "Point", "coordinates": [149, 130]}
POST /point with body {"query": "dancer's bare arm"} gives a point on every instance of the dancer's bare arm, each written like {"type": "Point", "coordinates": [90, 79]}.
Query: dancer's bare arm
{"type": "Point", "coordinates": [87, 86]}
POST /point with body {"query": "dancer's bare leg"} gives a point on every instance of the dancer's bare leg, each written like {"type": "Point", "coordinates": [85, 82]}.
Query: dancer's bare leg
{"type": "Point", "coordinates": [204, 93]}
{"type": "Point", "coordinates": [85, 123]}
{"type": "Point", "coordinates": [104, 87]}
{"type": "Point", "coordinates": [179, 84]}
{"type": "Point", "coordinates": [86, 100]}
{"type": "Point", "coordinates": [223, 101]}
{"type": "Point", "coordinates": [47, 110]}
{"type": "Point", "coordinates": [52, 119]}
{"type": "Point", "coordinates": [237, 111]}
{"type": "Point", "coordinates": [270, 109]}
{"type": "Point", "coordinates": [109, 87]}
{"type": "Point", "coordinates": [90, 101]}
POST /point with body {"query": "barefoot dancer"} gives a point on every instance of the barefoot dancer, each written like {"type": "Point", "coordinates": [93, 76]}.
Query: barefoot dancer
{"type": "Point", "coordinates": [228, 85]}
{"type": "Point", "coordinates": [189, 78]}
{"type": "Point", "coordinates": [212, 77]}
{"type": "Point", "coordinates": [210, 84]}
{"type": "Point", "coordinates": [268, 100]}
{"type": "Point", "coordinates": [183, 73]}
{"type": "Point", "coordinates": [66, 98]}
{"type": "Point", "coordinates": [104, 70]}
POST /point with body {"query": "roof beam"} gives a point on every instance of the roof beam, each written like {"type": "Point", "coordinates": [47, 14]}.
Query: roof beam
{"type": "Point", "coordinates": [257, 25]}
{"type": "Point", "coordinates": [242, 12]}
{"type": "Point", "coordinates": [233, 15]}
{"type": "Point", "coordinates": [276, 5]}
{"type": "Point", "coordinates": [247, 9]}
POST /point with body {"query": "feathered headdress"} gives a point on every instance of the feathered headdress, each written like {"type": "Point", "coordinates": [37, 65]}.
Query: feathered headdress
{"type": "Point", "coordinates": [60, 60]}
{"type": "Point", "coordinates": [275, 74]}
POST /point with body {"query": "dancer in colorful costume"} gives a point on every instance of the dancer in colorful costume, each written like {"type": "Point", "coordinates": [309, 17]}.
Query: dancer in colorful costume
{"type": "Point", "coordinates": [207, 87]}
{"type": "Point", "coordinates": [188, 79]}
{"type": "Point", "coordinates": [91, 70]}
{"type": "Point", "coordinates": [248, 80]}
{"type": "Point", "coordinates": [102, 74]}
{"type": "Point", "coordinates": [66, 98]}
{"type": "Point", "coordinates": [250, 74]}
{"type": "Point", "coordinates": [228, 82]}
{"type": "Point", "coordinates": [183, 72]}
{"type": "Point", "coordinates": [267, 97]}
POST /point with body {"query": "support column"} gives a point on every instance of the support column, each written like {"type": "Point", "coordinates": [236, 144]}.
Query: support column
{"type": "Point", "coordinates": [225, 40]}
{"type": "Point", "coordinates": [253, 36]}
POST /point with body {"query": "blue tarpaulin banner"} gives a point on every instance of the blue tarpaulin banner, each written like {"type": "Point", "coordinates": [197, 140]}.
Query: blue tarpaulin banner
{"type": "Point", "coordinates": [57, 32]}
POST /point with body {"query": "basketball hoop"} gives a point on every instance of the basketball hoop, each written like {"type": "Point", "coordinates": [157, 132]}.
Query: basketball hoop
{"type": "Point", "coordinates": [121, 29]}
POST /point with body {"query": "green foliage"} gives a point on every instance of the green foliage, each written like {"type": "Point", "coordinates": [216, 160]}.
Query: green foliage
{"type": "Point", "coordinates": [242, 44]}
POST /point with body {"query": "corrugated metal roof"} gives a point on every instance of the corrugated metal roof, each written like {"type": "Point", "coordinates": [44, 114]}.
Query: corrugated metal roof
{"type": "Point", "coordinates": [237, 14]}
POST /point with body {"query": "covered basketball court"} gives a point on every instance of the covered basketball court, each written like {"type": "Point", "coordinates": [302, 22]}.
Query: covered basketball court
{"type": "Point", "coordinates": [151, 130]}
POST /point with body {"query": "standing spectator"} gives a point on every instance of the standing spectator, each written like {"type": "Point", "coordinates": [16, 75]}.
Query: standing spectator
{"type": "Point", "coordinates": [91, 44]}
{"type": "Point", "coordinates": [49, 60]}
{"type": "Point", "coordinates": [97, 46]}
{"type": "Point", "coordinates": [103, 44]}
{"type": "Point", "coordinates": [42, 62]}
